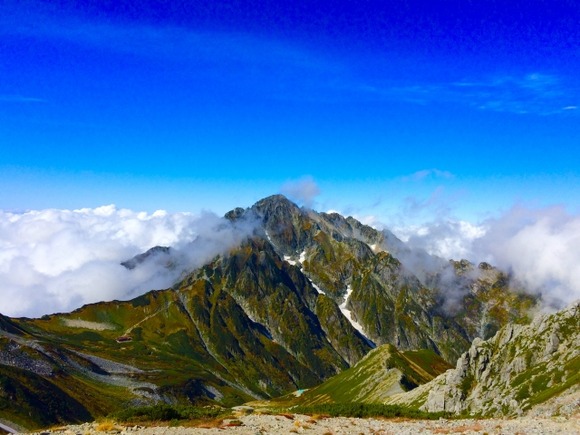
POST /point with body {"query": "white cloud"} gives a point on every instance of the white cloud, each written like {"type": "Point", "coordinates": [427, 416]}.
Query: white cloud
{"type": "Point", "coordinates": [56, 260]}
{"type": "Point", "coordinates": [303, 190]}
{"type": "Point", "coordinates": [445, 239]}
{"type": "Point", "coordinates": [538, 246]}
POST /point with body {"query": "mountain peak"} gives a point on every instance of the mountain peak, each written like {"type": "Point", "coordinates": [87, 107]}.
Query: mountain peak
{"type": "Point", "coordinates": [265, 208]}
{"type": "Point", "coordinates": [275, 202]}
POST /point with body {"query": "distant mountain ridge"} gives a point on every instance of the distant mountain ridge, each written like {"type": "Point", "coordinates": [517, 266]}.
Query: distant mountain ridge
{"type": "Point", "coordinates": [302, 298]}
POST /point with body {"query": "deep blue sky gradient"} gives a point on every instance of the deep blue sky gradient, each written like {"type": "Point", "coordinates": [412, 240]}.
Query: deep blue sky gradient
{"type": "Point", "coordinates": [188, 105]}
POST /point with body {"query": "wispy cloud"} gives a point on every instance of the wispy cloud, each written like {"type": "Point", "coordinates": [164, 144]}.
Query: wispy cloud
{"type": "Point", "coordinates": [438, 203]}
{"type": "Point", "coordinates": [13, 98]}
{"type": "Point", "coordinates": [303, 190]}
{"type": "Point", "coordinates": [283, 69]}
{"type": "Point", "coordinates": [428, 174]}
{"type": "Point", "coordinates": [534, 93]}
{"type": "Point", "coordinates": [168, 41]}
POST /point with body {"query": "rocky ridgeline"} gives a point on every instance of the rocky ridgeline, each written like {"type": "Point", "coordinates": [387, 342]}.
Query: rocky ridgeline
{"type": "Point", "coordinates": [517, 369]}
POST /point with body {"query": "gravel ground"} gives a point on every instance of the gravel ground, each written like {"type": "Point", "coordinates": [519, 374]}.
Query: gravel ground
{"type": "Point", "coordinates": [280, 424]}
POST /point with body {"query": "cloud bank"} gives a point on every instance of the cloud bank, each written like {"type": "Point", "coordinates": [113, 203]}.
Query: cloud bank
{"type": "Point", "coordinates": [539, 247]}
{"type": "Point", "coordinates": [57, 260]}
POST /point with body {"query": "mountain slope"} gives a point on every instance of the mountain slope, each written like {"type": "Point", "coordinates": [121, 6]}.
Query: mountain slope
{"type": "Point", "coordinates": [352, 264]}
{"type": "Point", "coordinates": [305, 296]}
{"type": "Point", "coordinates": [519, 368]}
{"type": "Point", "coordinates": [383, 372]}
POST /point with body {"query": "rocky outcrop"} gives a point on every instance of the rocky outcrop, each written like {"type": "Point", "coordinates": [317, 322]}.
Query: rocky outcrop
{"type": "Point", "coordinates": [520, 367]}
{"type": "Point", "coordinates": [25, 357]}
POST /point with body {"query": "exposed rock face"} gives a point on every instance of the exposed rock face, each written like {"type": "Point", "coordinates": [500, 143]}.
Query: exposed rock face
{"type": "Point", "coordinates": [24, 357]}
{"type": "Point", "coordinates": [156, 252]}
{"type": "Point", "coordinates": [521, 366]}
{"type": "Point", "coordinates": [421, 302]}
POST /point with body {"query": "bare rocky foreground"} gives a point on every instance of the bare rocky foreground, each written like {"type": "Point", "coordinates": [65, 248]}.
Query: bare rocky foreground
{"type": "Point", "coordinates": [285, 424]}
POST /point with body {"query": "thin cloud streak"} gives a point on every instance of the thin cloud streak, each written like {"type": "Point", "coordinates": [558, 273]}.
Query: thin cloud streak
{"type": "Point", "coordinates": [534, 93]}
{"type": "Point", "coordinates": [173, 42]}
{"type": "Point", "coordinates": [8, 98]}
{"type": "Point", "coordinates": [428, 174]}
{"type": "Point", "coordinates": [283, 70]}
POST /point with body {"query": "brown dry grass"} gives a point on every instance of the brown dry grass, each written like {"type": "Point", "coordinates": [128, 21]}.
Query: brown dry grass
{"type": "Point", "coordinates": [474, 427]}
{"type": "Point", "coordinates": [301, 424]}
{"type": "Point", "coordinates": [317, 417]}
{"type": "Point", "coordinates": [233, 423]}
{"type": "Point", "coordinates": [209, 424]}
{"type": "Point", "coordinates": [105, 426]}
{"type": "Point", "coordinates": [394, 419]}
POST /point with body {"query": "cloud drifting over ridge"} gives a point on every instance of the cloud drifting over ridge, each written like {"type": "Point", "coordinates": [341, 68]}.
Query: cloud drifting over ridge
{"type": "Point", "coordinates": [57, 260]}
{"type": "Point", "coordinates": [538, 246]}
{"type": "Point", "coordinates": [303, 190]}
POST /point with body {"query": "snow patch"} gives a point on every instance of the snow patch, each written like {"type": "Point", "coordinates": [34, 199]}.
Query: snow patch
{"type": "Point", "coordinates": [320, 292]}
{"type": "Point", "coordinates": [348, 314]}
{"type": "Point", "coordinates": [78, 323]}
{"type": "Point", "coordinates": [289, 260]}
{"type": "Point", "coordinates": [301, 259]}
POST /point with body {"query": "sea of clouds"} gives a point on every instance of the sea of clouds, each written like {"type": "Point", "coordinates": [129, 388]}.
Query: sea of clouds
{"type": "Point", "coordinates": [57, 260]}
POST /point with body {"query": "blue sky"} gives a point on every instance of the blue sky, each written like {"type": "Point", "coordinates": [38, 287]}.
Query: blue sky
{"type": "Point", "coordinates": [391, 107]}
{"type": "Point", "coordinates": [455, 123]}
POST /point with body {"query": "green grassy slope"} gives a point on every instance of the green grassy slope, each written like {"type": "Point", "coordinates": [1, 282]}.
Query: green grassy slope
{"type": "Point", "coordinates": [381, 373]}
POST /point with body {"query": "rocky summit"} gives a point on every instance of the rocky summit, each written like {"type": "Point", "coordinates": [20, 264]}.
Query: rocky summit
{"type": "Point", "coordinates": [301, 298]}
